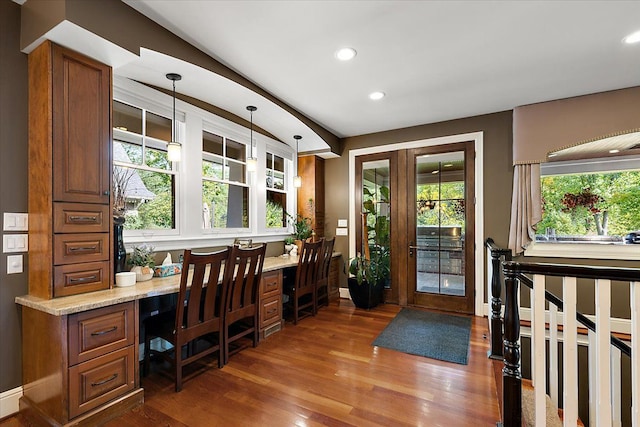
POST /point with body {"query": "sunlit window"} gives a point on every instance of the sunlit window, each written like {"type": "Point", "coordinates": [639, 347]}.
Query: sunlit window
{"type": "Point", "coordinates": [143, 177]}
{"type": "Point", "coordinates": [225, 193]}
{"type": "Point", "coordinates": [276, 192]}
{"type": "Point", "coordinates": [595, 201]}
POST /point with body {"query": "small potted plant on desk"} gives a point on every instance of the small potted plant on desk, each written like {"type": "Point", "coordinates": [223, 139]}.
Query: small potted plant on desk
{"type": "Point", "coordinates": [142, 261]}
{"type": "Point", "coordinates": [301, 229]}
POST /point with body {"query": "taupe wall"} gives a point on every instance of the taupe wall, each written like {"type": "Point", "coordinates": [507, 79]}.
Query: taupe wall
{"type": "Point", "coordinates": [497, 171]}
{"type": "Point", "coordinates": [13, 184]}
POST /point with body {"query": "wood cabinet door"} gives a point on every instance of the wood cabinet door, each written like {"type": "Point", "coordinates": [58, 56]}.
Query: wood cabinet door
{"type": "Point", "coordinates": [81, 128]}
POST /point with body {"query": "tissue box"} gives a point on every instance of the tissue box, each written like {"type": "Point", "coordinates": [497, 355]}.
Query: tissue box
{"type": "Point", "coordinates": [167, 270]}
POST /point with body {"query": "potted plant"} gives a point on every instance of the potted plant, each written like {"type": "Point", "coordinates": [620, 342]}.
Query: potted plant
{"type": "Point", "coordinates": [301, 229]}
{"type": "Point", "coordinates": [370, 270]}
{"type": "Point", "coordinates": [289, 243]}
{"type": "Point", "coordinates": [141, 259]}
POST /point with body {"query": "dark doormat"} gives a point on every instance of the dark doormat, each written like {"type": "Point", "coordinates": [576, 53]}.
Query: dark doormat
{"type": "Point", "coordinates": [423, 333]}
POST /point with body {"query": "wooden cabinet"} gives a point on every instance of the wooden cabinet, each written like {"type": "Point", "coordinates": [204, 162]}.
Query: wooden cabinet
{"type": "Point", "coordinates": [270, 317]}
{"type": "Point", "coordinates": [70, 243]}
{"type": "Point", "coordinates": [311, 170]}
{"type": "Point", "coordinates": [80, 368]}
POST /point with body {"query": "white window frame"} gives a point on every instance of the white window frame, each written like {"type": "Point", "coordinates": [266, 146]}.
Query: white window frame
{"type": "Point", "coordinates": [159, 109]}
{"type": "Point", "coordinates": [224, 158]}
{"type": "Point", "coordinates": [586, 250]}
{"type": "Point", "coordinates": [191, 122]}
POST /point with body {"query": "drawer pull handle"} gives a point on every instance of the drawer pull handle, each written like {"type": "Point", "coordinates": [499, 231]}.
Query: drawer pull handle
{"type": "Point", "coordinates": [273, 310]}
{"type": "Point", "coordinates": [78, 218]}
{"type": "Point", "coordinates": [83, 279]}
{"type": "Point", "coordinates": [113, 377]}
{"type": "Point", "coordinates": [106, 331]}
{"type": "Point", "coordinates": [83, 248]}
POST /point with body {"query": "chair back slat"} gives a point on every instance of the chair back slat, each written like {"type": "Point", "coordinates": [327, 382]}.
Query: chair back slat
{"type": "Point", "coordinates": [199, 300]}
{"type": "Point", "coordinates": [327, 252]}
{"type": "Point", "coordinates": [244, 278]}
{"type": "Point", "coordinates": [307, 265]}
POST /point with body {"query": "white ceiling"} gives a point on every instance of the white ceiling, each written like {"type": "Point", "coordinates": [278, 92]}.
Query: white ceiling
{"type": "Point", "coordinates": [436, 60]}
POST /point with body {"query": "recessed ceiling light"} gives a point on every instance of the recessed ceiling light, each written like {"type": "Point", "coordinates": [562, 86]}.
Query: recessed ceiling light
{"type": "Point", "coordinates": [376, 95]}
{"type": "Point", "coordinates": [614, 151]}
{"type": "Point", "coordinates": [632, 38]}
{"type": "Point", "coordinates": [346, 53]}
{"type": "Point", "coordinates": [448, 165]}
{"type": "Point", "coordinates": [435, 171]}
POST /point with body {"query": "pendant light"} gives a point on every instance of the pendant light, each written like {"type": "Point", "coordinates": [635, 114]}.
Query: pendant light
{"type": "Point", "coordinates": [251, 161]}
{"type": "Point", "coordinates": [174, 148]}
{"type": "Point", "coordinates": [297, 180]}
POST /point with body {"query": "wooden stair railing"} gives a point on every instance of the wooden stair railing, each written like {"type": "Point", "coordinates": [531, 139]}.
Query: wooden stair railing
{"type": "Point", "coordinates": [603, 341]}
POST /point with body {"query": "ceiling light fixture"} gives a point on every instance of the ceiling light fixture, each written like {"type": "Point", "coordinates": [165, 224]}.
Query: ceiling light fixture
{"type": "Point", "coordinates": [251, 161]}
{"type": "Point", "coordinates": [375, 96]}
{"type": "Point", "coordinates": [174, 148]}
{"type": "Point", "coordinates": [346, 54]}
{"type": "Point", "coordinates": [614, 151]}
{"type": "Point", "coordinates": [632, 38]}
{"type": "Point", "coordinates": [297, 180]}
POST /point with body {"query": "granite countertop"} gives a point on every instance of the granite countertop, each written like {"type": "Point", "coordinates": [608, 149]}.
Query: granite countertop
{"type": "Point", "coordinates": [116, 295]}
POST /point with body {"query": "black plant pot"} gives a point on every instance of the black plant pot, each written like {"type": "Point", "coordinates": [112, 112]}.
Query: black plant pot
{"type": "Point", "coordinates": [365, 295]}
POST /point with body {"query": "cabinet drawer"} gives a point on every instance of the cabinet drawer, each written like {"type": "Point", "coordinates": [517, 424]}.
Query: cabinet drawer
{"type": "Point", "coordinates": [80, 218]}
{"type": "Point", "coordinates": [270, 311]}
{"type": "Point", "coordinates": [97, 332]}
{"type": "Point", "coordinates": [75, 279]}
{"type": "Point", "coordinates": [271, 283]}
{"type": "Point", "coordinates": [99, 380]}
{"type": "Point", "coordinates": [74, 248]}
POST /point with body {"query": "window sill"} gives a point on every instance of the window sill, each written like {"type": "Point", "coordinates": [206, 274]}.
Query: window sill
{"type": "Point", "coordinates": [584, 250]}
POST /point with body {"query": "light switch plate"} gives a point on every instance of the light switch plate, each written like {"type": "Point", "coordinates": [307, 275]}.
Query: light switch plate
{"type": "Point", "coordinates": [16, 221]}
{"type": "Point", "coordinates": [341, 231]}
{"type": "Point", "coordinates": [342, 223]}
{"type": "Point", "coordinates": [15, 243]}
{"type": "Point", "coordinates": [14, 264]}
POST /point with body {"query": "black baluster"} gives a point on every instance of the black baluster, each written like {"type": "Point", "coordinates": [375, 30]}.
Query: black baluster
{"type": "Point", "coordinates": [511, 378]}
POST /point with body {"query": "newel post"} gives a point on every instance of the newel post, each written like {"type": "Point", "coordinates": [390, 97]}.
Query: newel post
{"type": "Point", "coordinates": [511, 378]}
{"type": "Point", "coordinates": [496, 307]}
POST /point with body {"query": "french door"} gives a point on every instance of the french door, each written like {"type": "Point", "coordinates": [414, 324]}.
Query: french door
{"type": "Point", "coordinates": [428, 197]}
{"type": "Point", "coordinates": [440, 227]}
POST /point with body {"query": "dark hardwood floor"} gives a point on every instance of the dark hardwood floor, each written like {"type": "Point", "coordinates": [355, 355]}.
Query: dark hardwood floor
{"type": "Point", "coordinates": [324, 371]}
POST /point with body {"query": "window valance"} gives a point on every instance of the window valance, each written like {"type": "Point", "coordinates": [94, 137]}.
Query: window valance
{"type": "Point", "coordinates": [539, 129]}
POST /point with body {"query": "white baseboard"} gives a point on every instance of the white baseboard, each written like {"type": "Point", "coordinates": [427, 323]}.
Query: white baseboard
{"type": "Point", "coordinates": [344, 293]}
{"type": "Point", "coordinates": [9, 401]}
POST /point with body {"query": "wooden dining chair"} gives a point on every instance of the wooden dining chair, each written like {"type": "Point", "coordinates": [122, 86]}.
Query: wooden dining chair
{"type": "Point", "coordinates": [242, 280]}
{"type": "Point", "coordinates": [197, 315]}
{"type": "Point", "coordinates": [322, 279]}
{"type": "Point", "coordinates": [302, 295]}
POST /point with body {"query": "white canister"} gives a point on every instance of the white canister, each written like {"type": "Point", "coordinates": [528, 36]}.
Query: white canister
{"type": "Point", "coordinates": [126, 278]}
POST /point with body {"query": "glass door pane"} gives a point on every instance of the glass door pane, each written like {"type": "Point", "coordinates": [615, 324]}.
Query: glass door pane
{"type": "Point", "coordinates": [440, 223]}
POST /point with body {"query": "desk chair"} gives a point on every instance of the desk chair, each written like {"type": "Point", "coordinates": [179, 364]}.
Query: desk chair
{"type": "Point", "coordinates": [302, 296]}
{"type": "Point", "coordinates": [241, 309]}
{"type": "Point", "coordinates": [197, 314]}
{"type": "Point", "coordinates": [322, 281]}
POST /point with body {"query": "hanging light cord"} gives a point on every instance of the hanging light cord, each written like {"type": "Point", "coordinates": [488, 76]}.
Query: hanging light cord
{"type": "Point", "coordinates": [174, 111]}
{"type": "Point", "coordinates": [251, 138]}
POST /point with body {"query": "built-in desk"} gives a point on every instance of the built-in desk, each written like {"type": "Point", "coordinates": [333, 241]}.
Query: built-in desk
{"type": "Point", "coordinates": [80, 353]}
{"type": "Point", "coordinates": [154, 287]}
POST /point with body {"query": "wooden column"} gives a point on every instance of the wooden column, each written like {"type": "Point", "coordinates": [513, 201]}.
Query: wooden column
{"type": "Point", "coordinates": [511, 378]}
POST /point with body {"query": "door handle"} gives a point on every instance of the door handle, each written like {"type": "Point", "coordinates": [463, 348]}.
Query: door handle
{"type": "Point", "coordinates": [411, 248]}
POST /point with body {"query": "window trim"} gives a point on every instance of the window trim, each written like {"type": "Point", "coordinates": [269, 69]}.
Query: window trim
{"type": "Point", "coordinates": [192, 121]}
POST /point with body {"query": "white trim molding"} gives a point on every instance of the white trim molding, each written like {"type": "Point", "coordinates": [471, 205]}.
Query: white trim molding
{"type": "Point", "coordinates": [9, 402]}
